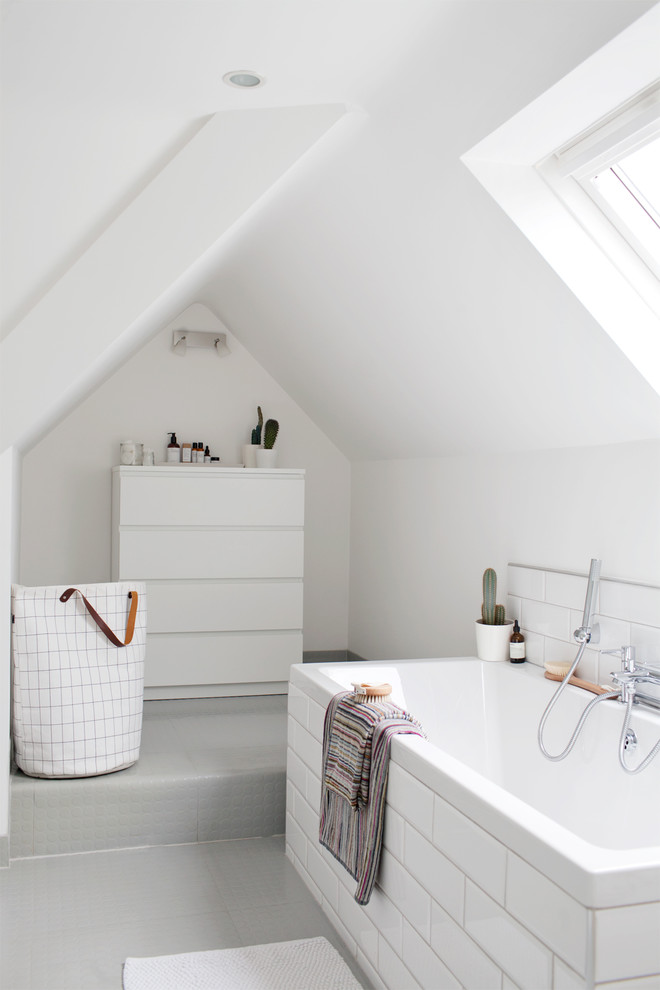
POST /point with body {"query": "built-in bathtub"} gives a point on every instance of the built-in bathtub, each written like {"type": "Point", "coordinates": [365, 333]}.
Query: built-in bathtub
{"type": "Point", "coordinates": [500, 868]}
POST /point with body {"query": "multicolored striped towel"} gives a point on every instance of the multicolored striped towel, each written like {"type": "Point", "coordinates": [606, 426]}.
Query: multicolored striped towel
{"type": "Point", "coordinates": [353, 832]}
{"type": "Point", "coordinates": [348, 763]}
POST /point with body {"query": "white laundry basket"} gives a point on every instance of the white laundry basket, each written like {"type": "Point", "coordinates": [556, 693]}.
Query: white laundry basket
{"type": "Point", "coordinates": [78, 678]}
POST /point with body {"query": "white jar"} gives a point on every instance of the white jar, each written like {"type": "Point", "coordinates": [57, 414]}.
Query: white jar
{"type": "Point", "coordinates": [128, 452]}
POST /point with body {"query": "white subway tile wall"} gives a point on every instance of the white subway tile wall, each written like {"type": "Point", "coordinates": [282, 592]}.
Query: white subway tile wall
{"type": "Point", "coordinates": [453, 906]}
{"type": "Point", "coordinates": [549, 604]}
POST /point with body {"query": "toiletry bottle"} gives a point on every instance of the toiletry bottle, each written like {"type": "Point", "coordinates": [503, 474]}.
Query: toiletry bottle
{"type": "Point", "coordinates": [173, 450]}
{"type": "Point", "coordinates": [186, 453]}
{"type": "Point", "coordinates": [200, 452]}
{"type": "Point", "coordinates": [517, 645]}
{"type": "Point", "coordinates": [207, 455]}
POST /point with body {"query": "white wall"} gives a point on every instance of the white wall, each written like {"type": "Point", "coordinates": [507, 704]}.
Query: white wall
{"type": "Point", "coordinates": [423, 531]}
{"type": "Point", "coordinates": [65, 527]}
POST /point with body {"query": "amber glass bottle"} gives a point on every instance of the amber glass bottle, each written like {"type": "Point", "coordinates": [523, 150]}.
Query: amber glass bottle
{"type": "Point", "coordinates": [517, 645]}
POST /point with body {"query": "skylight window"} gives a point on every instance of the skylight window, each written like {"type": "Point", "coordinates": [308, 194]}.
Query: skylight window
{"type": "Point", "coordinates": [540, 165]}
{"type": "Point", "coordinates": [629, 193]}
{"type": "Point", "coordinates": [609, 178]}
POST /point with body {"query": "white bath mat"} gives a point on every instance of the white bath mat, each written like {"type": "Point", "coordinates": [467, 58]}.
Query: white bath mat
{"type": "Point", "coordinates": [306, 964]}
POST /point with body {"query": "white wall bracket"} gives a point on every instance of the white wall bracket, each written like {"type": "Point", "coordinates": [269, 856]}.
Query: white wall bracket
{"type": "Point", "coordinates": [183, 339]}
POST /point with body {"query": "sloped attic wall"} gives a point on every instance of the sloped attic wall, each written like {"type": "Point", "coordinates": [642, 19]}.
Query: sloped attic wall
{"type": "Point", "coordinates": [65, 531]}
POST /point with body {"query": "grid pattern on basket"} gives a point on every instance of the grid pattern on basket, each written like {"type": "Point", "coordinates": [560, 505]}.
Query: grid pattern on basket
{"type": "Point", "coordinates": [77, 699]}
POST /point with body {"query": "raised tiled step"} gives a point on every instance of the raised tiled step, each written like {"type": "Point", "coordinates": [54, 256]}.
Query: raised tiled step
{"type": "Point", "coordinates": [209, 769]}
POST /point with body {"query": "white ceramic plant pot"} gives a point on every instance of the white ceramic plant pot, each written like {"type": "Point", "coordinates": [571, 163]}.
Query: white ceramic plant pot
{"type": "Point", "coordinates": [493, 641]}
{"type": "Point", "coordinates": [250, 454]}
{"type": "Point", "coordinates": [266, 458]}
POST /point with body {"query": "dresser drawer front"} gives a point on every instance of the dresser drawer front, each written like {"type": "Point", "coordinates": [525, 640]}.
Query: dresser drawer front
{"type": "Point", "coordinates": [220, 658]}
{"type": "Point", "coordinates": [189, 554]}
{"type": "Point", "coordinates": [172, 499]}
{"type": "Point", "coordinates": [222, 607]}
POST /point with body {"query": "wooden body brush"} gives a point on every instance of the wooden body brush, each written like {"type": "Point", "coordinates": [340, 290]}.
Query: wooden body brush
{"type": "Point", "coordinates": [371, 692]}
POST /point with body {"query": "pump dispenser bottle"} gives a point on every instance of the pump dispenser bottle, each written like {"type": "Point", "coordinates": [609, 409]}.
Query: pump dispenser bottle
{"type": "Point", "coordinates": [173, 450]}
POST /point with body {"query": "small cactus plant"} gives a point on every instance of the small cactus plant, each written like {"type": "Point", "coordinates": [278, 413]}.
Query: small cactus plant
{"type": "Point", "coordinates": [271, 430]}
{"type": "Point", "coordinates": [491, 614]}
{"type": "Point", "coordinates": [256, 432]}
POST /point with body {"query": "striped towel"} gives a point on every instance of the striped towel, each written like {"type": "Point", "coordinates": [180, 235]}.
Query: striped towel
{"type": "Point", "coordinates": [348, 763]}
{"type": "Point", "coordinates": [353, 833]}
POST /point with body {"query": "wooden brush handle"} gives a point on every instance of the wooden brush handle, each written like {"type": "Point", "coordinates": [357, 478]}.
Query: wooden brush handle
{"type": "Point", "coordinates": [578, 682]}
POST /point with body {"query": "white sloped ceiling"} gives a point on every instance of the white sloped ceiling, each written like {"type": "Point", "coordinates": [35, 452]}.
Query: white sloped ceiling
{"type": "Point", "coordinates": [381, 286]}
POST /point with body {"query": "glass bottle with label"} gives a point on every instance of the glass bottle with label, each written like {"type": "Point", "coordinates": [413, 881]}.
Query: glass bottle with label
{"type": "Point", "coordinates": [173, 450]}
{"type": "Point", "coordinates": [517, 645]}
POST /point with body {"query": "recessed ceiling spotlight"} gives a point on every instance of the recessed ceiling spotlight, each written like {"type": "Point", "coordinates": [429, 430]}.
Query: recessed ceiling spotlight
{"type": "Point", "coordinates": [243, 79]}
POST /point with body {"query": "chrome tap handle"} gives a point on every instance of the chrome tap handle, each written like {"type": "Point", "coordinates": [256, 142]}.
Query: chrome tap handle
{"type": "Point", "coordinates": [627, 654]}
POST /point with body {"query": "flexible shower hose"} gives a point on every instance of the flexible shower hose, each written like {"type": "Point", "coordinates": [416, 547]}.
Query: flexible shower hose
{"type": "Point", "coordinates": [583, 718]}
{"type": "Point", "coordinates": [622, 744]}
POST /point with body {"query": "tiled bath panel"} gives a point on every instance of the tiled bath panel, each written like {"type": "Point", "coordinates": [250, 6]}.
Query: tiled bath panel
{"type": "Point", "coordinates": [68, 922]}
{"type": "Point", "coordinates": [212, 769]}
{"type": "Point", "coordinates": [454, 907]}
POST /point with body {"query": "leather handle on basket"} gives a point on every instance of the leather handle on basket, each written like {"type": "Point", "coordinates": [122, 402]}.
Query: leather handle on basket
{"type": "Point", "coordinates": [103, 626]}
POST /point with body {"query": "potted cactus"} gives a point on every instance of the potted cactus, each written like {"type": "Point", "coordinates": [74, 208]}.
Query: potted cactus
{"type": "Point", "coordinates": [250, 449]}
{"type": "Point", "coordinates": [492, 629]}
{"type": "Point", "coordinates": [267, 455]}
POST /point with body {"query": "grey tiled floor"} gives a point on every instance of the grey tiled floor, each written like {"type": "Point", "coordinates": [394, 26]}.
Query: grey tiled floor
{"type": "Point", "coordinates": [207, 771]}
{"type": "Point", "coordinates": [68, 922]}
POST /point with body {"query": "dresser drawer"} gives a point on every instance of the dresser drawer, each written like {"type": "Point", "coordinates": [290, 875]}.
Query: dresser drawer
{"type": "Point", "coordinates": [188, 554]}
{"type": "Point", "coordinates": [192, 497]}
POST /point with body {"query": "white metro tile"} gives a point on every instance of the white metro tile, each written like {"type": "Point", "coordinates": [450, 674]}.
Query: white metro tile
{"type": "Point", "coordinates": [398, 976]}
{"type": "Point", "coordinates": [386, 917]}
{"type": "Point", "coordinates": [558, 920]}
{"type": "Point", "coordinates": [298, 705]}
{"type": "Point", "coordinates": [568, 590]}
{"type": "Point", "coordinates": [369, 971]}
{"type": "Point", "coordinates": [527, 961]}
{"type": "Point", "coordinates": [313, 790]}
{"type": "Point", "coordinates": [296, 771]}
{"type": "Point", "coordinates": [307, 817]}
{"type": "Point", "coordinates": [424, 964]}
{"type": "Point", "coordinates": [526, 582]}
{"type": "Point", "coordinates": [631, 602]}
{"type": "Point", "coordinates": [635, 927]}
{"type": "Point", "coordinates": [404, 891]}
{"type": "Point", "coordinates": [464, 958]}
{"type": "Point", "coordinates": [548, 620]}
{"type": "Point", "coordinates": [412, 800]}
{"type": "Point", "coordinates": [393, 832]}
{"type": "Point", "coordinates": [534, 645]}
{"type": "Point", "coordinates": [566, 979]}
{"type": "Point", "coordinates": [474, 851]}
{"type": "Point", "coordinates": [322, 876]}
{"type": "Point", "coordinates": [514, 608]}
{"type": "Point", "coordinates": [612, 633]}
{"type": "Point", "coordinates": [646, 640]}
{"type": "Point", "coordinates": [296, 839]}
{"type": "Point", "coordinates": [315, 720]}
{"type": "Point", "coordinates": [308, 749]}
{"type": "Point", "coordinates": [437, 875]}
{"type": "Point", "coordinates": [361, 928]}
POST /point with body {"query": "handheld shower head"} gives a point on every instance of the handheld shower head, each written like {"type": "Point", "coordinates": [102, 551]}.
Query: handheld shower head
{"type": "Point", "coordinates": [584, 633]}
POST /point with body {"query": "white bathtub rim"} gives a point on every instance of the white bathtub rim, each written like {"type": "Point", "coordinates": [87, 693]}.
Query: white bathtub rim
{"type": "Point", "coordinates": [595, 876]}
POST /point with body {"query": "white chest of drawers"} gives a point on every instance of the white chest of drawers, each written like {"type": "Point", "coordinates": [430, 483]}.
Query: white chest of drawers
{"type": "Point", "coordinates": [221, 550]}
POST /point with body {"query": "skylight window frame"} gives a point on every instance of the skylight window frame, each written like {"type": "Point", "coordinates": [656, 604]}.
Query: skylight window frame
{"type": "Point", "coordinates": [570, 169]}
